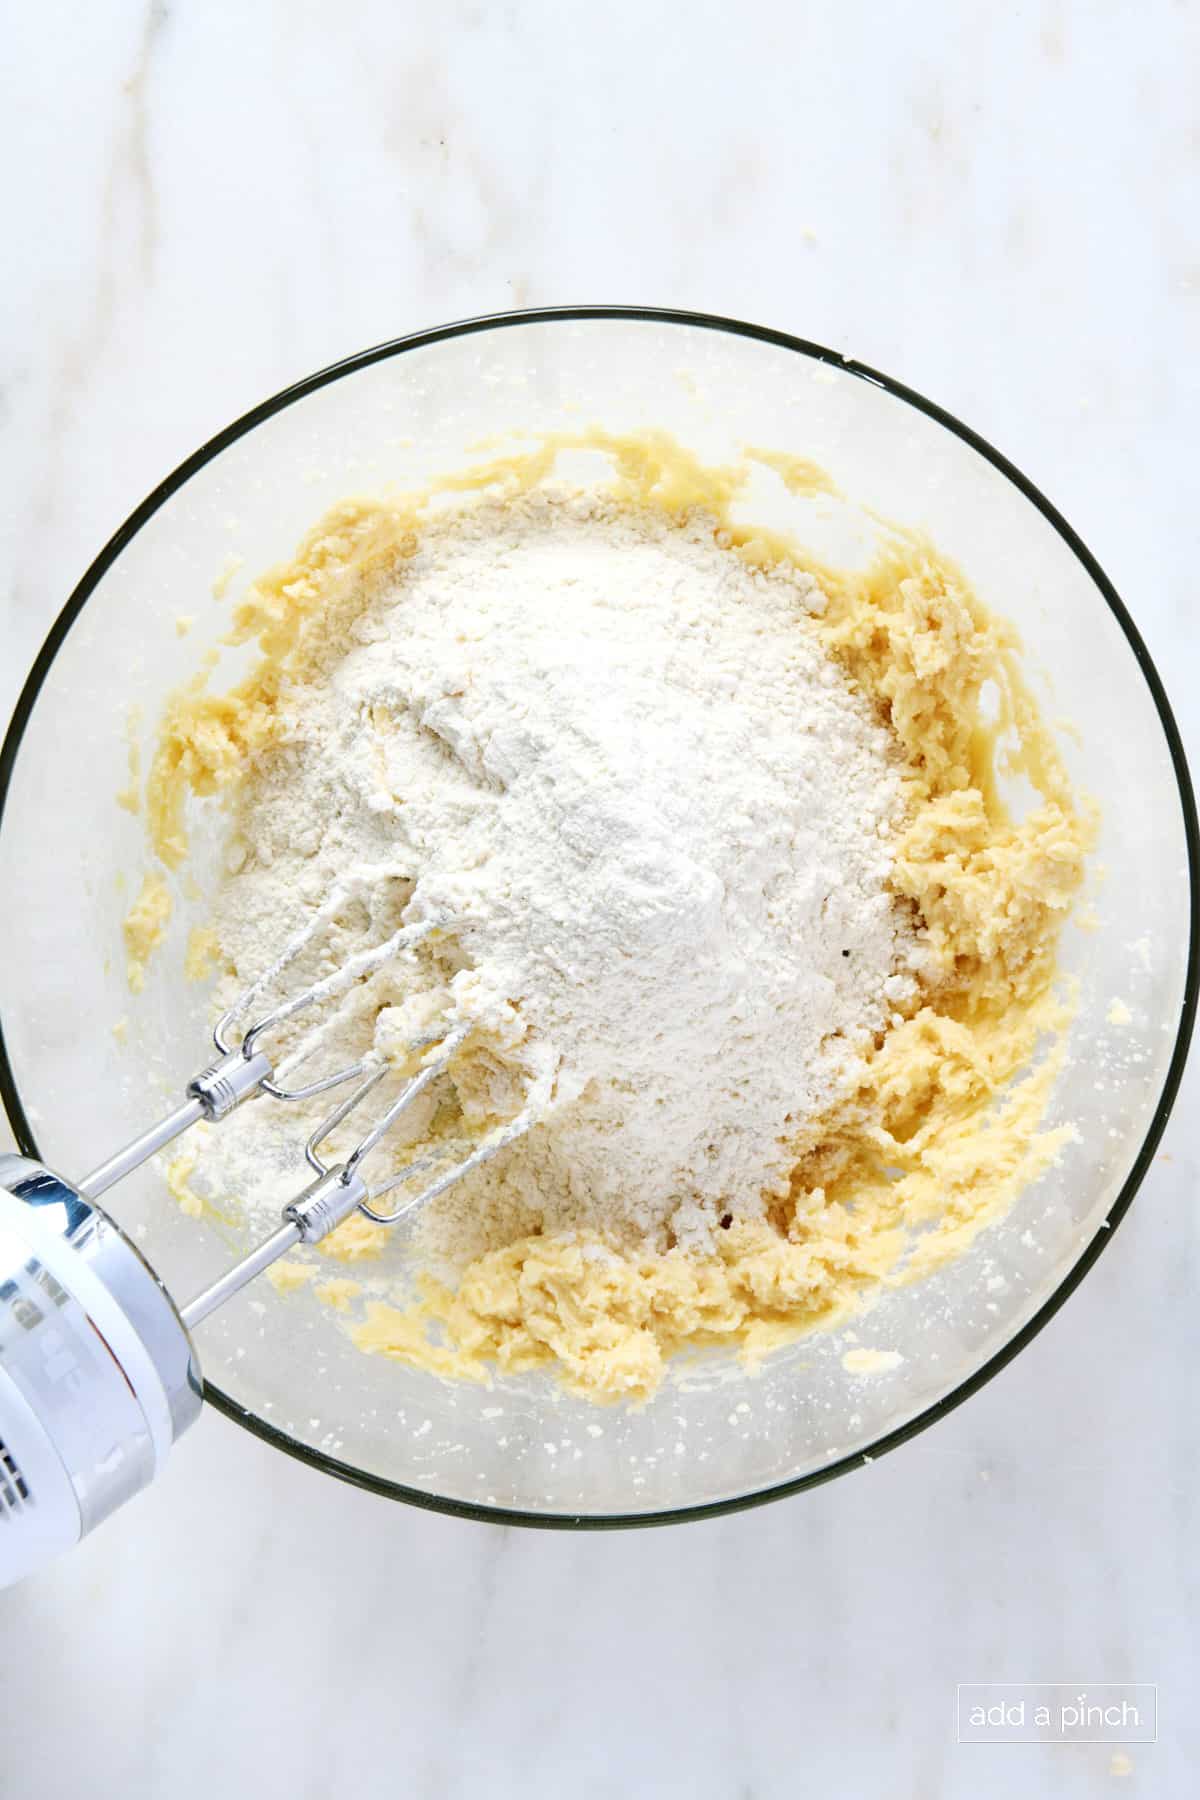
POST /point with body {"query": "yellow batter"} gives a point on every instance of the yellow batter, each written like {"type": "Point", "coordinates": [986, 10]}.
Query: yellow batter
{"type": "Point", "coordinates": [945, 1127]}
{"type": "Point", "coordinates": [145, 926]}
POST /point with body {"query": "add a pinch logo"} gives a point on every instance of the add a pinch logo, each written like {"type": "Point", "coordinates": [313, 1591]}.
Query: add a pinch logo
{"type": "Point", "coordinates": [1012, 1712]}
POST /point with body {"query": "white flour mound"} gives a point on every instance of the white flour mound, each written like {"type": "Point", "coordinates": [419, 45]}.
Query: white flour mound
{"type": "Point", "coordinates": [621, 758]}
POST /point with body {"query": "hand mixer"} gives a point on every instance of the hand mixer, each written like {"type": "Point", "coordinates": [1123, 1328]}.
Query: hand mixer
{"type": "Point", "coordinates": [98, 1372]}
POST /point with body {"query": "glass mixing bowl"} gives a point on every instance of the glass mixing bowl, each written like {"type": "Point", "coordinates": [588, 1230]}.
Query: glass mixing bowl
{"type": "Point", "coordinates": [714, 1437]}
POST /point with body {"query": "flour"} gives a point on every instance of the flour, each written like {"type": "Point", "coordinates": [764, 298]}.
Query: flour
{"type": "Point", "coordinates": [657, 826]}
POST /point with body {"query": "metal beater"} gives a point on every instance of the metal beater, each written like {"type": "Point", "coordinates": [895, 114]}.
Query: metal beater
{"type": "Point", "coordinates": [98, 1373]}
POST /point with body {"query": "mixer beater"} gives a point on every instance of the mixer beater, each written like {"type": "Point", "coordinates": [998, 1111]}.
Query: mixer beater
{"type": "Point", "coordinates": [98, 1373]}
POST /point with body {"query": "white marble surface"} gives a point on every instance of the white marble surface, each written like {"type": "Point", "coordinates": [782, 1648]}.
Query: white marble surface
{"type": "Point", "coordinates": [999, 206]}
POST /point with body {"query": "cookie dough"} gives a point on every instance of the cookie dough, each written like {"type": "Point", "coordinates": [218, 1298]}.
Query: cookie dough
{"type": "Point", "coordinates": [945, 1126]}
{"type": "Point", "coordinates": [145, 927]}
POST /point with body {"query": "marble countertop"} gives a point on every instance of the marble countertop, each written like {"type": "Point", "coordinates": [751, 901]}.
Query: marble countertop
{"type": "Point", "coordinates": [998, 206]}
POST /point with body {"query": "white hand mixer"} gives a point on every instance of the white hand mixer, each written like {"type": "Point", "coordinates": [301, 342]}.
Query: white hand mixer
{"type": "Point", "coordinates": [98, 1372]}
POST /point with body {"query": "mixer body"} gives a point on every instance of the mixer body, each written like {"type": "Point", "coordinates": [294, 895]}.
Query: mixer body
{"type": "Point", "coordinates": [98, 1376]}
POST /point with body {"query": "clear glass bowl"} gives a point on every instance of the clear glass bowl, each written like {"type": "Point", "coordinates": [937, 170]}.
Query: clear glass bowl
{"type": "Point", "coordinates": [714, 1438]}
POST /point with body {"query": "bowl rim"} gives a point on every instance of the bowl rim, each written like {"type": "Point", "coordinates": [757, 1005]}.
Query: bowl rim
{"type": "Point", "coordinates": [890, 1440]}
